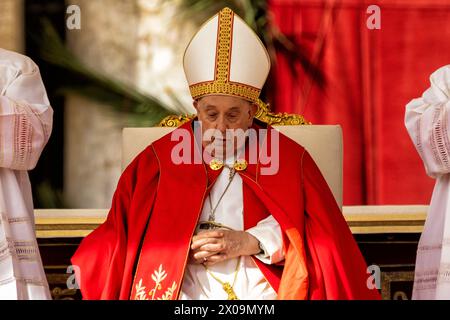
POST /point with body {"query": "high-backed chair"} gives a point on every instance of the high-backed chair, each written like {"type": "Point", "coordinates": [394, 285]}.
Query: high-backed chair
{"type": "Point", "coordinates": [323, 142]}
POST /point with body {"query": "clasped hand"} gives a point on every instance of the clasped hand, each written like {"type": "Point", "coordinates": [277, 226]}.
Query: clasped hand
{"type": "Point", "coordinates": [214, 246]}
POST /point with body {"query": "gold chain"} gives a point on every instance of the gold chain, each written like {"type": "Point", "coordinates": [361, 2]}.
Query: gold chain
{"type": "Point", "coordinates": [212, 215]}
{"type": "Point", "coordinates": [226, 286]}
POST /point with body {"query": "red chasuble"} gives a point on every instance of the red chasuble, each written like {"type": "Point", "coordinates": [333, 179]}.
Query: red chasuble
{"type": "Point", "coordinates": [141, 250]}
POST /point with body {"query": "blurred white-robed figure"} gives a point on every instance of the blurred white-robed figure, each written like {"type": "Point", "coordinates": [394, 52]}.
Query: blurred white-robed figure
{"type": "Point", "coordinates": [428, 120]}
{"type": "Point", "coordinates": [25, 127]}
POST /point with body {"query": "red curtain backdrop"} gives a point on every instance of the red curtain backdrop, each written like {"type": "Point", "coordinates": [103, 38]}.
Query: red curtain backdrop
{"type": "Point", "coordinates": [370, 76]}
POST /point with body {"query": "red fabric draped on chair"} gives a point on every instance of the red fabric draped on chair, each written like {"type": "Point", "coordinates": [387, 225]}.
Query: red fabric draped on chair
{"type": "Point", "coordinates": [370, 75]}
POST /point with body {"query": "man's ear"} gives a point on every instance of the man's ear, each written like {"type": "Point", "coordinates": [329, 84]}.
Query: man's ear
{"type": "Point", "coordinates": [252, 112]}
{"type": "Point", "coordinates": [195, 104]}
{"type": "Point", "coordinates": [254, 109]}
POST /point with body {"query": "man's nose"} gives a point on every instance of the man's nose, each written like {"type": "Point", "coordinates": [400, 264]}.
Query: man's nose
{"type": "Point", "coordinates": [222, 126]}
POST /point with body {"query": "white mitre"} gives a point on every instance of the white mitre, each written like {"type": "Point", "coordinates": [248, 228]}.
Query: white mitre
{"type": "Point", "coordinates": [226, 57]}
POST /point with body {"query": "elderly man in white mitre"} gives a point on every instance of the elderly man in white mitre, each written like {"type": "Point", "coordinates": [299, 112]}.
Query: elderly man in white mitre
{"type": "Point", "coordinates": [227, 226]}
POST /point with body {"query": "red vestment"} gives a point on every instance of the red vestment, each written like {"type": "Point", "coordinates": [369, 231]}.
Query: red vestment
{"type": "Point", "coordinates": [141, 250]}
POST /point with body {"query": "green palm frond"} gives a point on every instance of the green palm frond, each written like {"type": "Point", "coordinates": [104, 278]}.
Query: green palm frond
{"type": "Point", "coordinates": [255, 14]}
{"type": "Point", "coordinates": [140, 109]}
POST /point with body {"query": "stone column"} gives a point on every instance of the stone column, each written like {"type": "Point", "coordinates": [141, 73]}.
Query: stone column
{"type": "Point", "coordinates": [11, 25]}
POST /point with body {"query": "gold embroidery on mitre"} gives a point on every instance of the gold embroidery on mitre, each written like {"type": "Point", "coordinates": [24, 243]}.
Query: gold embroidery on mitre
{"type": "Point", "coordinates": [221, 83]}
{"type": "Point", "coordinates": [223, 57]}
{"type": "Point", "coordinates": [158, 277]}
{"type": "Point", "coordinates": [227, 88]}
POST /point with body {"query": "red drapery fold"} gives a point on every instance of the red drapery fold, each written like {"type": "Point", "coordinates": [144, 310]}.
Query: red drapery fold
{"type": "Point", "coordinates": [370, 76]}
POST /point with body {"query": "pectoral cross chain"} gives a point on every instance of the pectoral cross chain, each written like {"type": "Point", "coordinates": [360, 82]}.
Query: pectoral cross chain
{"type": "Point", "coordinates": [229, 290]}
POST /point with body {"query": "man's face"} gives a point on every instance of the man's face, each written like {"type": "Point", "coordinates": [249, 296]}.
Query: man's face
{"type": "Point", "coordinates": [224, 113]}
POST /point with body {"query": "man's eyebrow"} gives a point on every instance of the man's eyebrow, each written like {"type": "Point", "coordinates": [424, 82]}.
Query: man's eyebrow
{"type": "Point", "coordinates": [234, 109]}
{"type": "Point", "coordinates": [210, 106]}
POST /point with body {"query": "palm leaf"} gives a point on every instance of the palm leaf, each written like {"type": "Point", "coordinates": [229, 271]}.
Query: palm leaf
{"type": "Point", "coordinates": [141, 109]}
{"type": "Point", "coordinates": [255, 14]}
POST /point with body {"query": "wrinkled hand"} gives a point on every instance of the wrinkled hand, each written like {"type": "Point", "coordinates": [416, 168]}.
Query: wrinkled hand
{"type": "Point", "coordinates": [220, 245]}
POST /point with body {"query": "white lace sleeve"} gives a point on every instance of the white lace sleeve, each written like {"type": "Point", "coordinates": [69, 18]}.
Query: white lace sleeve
{"type": "Point", "coordinates": [427, 120]}
{"type": "Point", "coordinates": [25, 120]}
